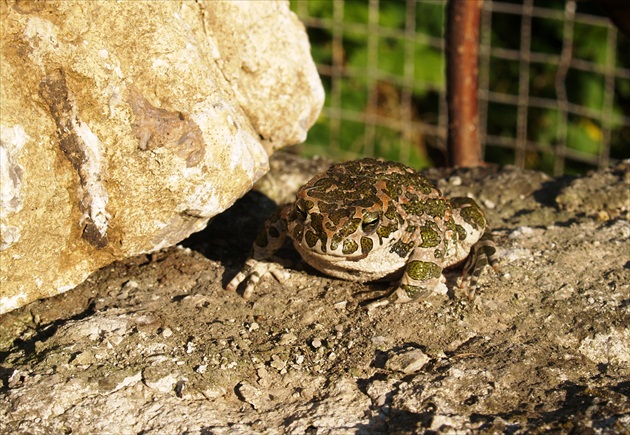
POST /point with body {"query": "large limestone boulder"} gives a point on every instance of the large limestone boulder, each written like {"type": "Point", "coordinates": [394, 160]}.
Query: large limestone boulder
{"type": "Point", "coordinates": [125, 126]}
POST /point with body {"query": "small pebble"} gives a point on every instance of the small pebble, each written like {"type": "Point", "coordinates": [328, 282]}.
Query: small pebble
{"type": "Point", "coordinates": [190, 347]}
{"type": "Point", "coordinates": [379, 340]}
{"type": "Point", "coordinates": [409, 360]}
{"type": "Point", "coordinates": [263, 377]}
{"type": "Point", "coordinates": [131, 284]}
{"type": "Point", "coordinates": [262, 373]}
{"type": "Point", "coordinates": [248, 394]}
{"type": "Point", "coordinates": [277, 363]}
{"type": "Point", "coordinates": [456, 180]}
{"type": "Point", "coordinates": [340, 305]}
{"type": "Point", "coordinates": [287, 338]}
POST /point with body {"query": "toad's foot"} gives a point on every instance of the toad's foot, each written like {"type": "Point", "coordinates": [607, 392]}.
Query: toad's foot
{"type": "Point", "coordinates": [253, 271]}
{"type": "Point", "coordinates": [402, 295]}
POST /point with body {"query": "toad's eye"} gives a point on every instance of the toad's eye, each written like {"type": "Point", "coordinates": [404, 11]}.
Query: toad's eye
{"type": "Point", "coordinates": [300, 208]}
{"type": "Point", "coordinates": [370, 222]}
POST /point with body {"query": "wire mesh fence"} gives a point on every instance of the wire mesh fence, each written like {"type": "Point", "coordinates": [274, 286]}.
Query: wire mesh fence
{"type": "Point", "coordinates": [554, 82]}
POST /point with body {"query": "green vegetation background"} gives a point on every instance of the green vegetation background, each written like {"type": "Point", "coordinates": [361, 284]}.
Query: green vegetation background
{"type": "Point", "coordinates": [584, 134]}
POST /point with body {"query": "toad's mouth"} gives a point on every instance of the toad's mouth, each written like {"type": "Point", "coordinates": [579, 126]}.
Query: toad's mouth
{"type": "Point", "coordinates": [332, 257]}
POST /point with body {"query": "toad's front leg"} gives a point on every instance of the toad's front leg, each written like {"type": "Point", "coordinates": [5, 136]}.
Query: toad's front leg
{"type": "Point", "coordinates": [420, 279]}
{"type": "Point", "coordinates": [262, 261]}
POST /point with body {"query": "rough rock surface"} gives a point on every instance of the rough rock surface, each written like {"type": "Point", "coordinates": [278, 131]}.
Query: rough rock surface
{"type": "Point", "coordinates": [153, 344]}
{"type": "Point", "coordinates": [125, 126]}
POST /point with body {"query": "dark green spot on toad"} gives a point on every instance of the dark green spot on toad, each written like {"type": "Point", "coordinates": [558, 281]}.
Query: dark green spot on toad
{"type": "Point", "coordinates": [366, 245]}
{"type": "Point", "coordinates": [430, 235]}
{"type": "Point", "coordinates": [423, 270]}
{"type": "Point", "coordinates": [311, 238]}
{"type": "Point", "coordinates": [469, 211]}
{"type": "Point", "coordinates": [401, 248]}
{"type": "Point", "coordinates": [349, 246]}
{"type": "Point", "coordinates": [461, 232]}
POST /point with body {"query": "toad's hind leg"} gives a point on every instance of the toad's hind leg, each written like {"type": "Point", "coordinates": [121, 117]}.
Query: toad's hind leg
{"type": "Point", "coordinates": [482, 254]}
